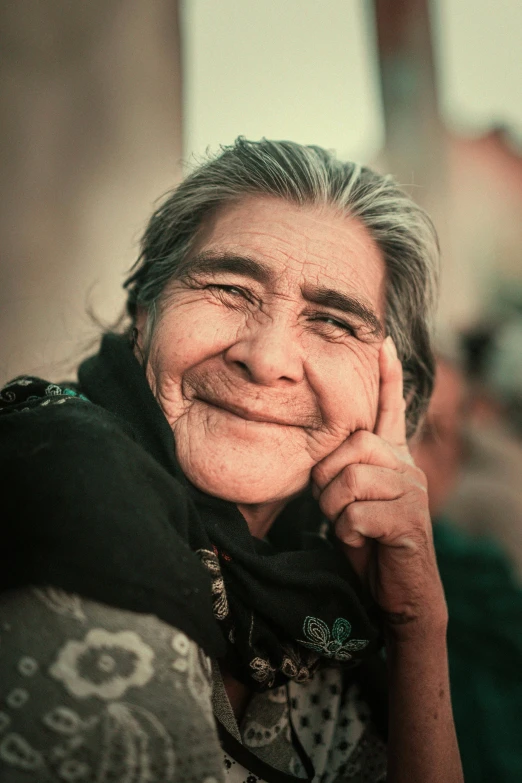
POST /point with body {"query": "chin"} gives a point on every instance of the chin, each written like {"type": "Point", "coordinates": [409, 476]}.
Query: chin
{"type": "Point", "coordinates": [242, 462]}
{"type": "Point", "coordinates": [245, 484]}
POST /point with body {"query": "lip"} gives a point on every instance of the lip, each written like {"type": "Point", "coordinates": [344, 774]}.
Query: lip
{"type": "Point", "coordinates": [248, 415]}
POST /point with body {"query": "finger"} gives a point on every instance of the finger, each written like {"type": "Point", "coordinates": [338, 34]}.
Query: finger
{"type": "Point", "coordinates": [364, 482]}
{"type": "Point", "coordinates": [365, 520]}
{"type": "Point", "coordinates": [360, 447]}
{"type": "Point", "coordinates": [391, 418]}
{"type": "Point", "coordinates": [355, 527]}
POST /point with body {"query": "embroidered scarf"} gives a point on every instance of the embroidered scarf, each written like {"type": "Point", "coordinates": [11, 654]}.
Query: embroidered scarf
{"type": "Point", "coordinates": [276, 609]}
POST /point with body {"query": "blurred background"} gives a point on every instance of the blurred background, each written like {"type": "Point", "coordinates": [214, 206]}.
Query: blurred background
{"type": "Point", "coordinates": [105, 104]}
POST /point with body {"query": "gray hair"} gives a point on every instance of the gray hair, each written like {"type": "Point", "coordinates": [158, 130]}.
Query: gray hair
{"type": "Point", "coordinates": [307, 175]}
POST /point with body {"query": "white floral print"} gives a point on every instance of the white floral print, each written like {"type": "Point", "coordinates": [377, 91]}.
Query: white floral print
{"type": "Point", "coordinates": [27, 666]}
{"type": "Point", "coordinates": [105, 664]}
{"type": "Point", "coordinates": [65, 721]}
{"type": "Point", "coordinates": [199, 680]}
{"type": "Point", "coordinates": [67, 604]}
{"type": "Point", "coordinates": [17, 698]}
{"type": "Point", "coordinates": [104, 703]}
{"type": "Point", "coordinates": [15, 750]}
{"type": "Point", "coordinates": [298, 664]}
{"type": "Point", "coordinates": [256, 735]}
{"type": "Point", "coordinates": [277, 695]}
{"type": "Point", "coordinates": [72, 770]}
{"type": "Point", "coordinates": [332, 644]}
{"type": "Point", "coordinates": [180, 643]}
{"type": "Point", "coordinates": [141, 730]}
{"type": "Point", "coordinates": [219, 596]}
{"type": "Point", "coordinates": [262, 671]}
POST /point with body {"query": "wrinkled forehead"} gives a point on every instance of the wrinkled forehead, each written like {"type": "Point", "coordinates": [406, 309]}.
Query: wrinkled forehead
{"type": "Point", "coordinates": [302, 245]}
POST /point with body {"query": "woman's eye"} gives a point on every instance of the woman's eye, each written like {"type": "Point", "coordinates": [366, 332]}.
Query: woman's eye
{"type": "Point", "coordinates": [232, 291]}
{"type": "Point", "coordinates": [334, 323]}
{"type": "Point", "coordinates": [229, 289]}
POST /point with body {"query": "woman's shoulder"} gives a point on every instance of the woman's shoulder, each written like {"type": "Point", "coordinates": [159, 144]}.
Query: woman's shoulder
{"type": "Point", "coordinates": [38, 415]}
{"type": "Point", "coordinates": [87, 509]}
{"type": "Point", "coordinates": [91, 691]}
{"type": "Point", "coordinates": [29, 406]}
{"type": "Point", "coordinates": [27, 391]}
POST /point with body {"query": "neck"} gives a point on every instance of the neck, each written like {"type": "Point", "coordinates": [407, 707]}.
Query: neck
{"type": "Point", "coordinates": [260, 516]}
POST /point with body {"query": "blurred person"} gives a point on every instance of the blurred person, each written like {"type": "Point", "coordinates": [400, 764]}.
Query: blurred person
{"type": "Point", "coordinates": [503, 370]}
{"type": "Point", "coordinates": [483, 597]}
{"type": "Point", "coordinates": [211, 535]}
{"type": "Point", "coordinates": [487, 500]}
{"type": "Point", "coordinates": [438, 448]}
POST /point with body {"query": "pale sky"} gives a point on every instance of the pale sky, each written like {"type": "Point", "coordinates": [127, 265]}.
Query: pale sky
{"type": "Point", "coordinates": [286, 69]}
{"type": "Point", "coordinates": [306, 70]}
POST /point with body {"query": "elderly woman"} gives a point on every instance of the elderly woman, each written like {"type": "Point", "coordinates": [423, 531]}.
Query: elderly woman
{"type": "Point", "coordinates": [216, 539]}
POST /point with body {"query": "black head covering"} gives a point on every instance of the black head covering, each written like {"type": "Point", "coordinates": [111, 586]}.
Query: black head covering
{"type": "Point", "coordinates": [116, 519]}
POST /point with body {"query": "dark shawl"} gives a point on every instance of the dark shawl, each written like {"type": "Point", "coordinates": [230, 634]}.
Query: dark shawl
{"type": "Point", "coordinates": [94, 502]}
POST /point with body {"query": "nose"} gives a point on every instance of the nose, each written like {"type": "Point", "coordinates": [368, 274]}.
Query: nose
{"type": "Point", "coordinates": [268, 353]}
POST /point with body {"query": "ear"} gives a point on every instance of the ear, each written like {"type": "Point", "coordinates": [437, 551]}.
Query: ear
{"type": "Point", "coordinates": [140, 324]}
{"type": "Point", "coordinates": [141, 318]}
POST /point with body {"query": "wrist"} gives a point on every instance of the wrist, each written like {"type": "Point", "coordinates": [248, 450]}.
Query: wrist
{"type": "Point", "coordinates": [431, 629]}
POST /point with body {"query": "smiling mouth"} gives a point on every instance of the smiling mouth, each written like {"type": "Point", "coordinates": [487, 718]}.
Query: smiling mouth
{"type": "Point", "coordinates": [247, 415]}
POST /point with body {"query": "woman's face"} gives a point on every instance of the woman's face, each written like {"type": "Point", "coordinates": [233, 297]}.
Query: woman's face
{"type": "Point", "coordinates": [265, 355]}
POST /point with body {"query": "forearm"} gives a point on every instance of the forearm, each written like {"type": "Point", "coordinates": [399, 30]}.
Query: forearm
{"type": "Point", "coordinates": [422, 741]}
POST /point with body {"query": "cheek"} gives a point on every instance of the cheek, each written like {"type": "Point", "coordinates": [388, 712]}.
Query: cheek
{"type": "Point", "coordinates": [349, 390]}
{"type": "Point", "coordinates": [368, 374]}
{"type": "Point", "coordinates": [189, 335]}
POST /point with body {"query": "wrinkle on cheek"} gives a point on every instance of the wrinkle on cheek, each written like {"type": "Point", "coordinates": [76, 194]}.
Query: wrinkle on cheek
{"type": "Point", "coordinates": [256, 317]}
{"type": "Point", "coordinates": [169, 396]}
{"type": "Point", "coordinates": [179, 299]}
{"type": "Point", "coordinates": [368, 374]}
{"type": "Point", "coordinates": [346, 383]}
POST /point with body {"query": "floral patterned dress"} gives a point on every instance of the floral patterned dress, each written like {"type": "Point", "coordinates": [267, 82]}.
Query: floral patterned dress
{"type": "Point", "coordinates": [331, 724]}
{"type": "Point", "coordinates": [93, 693]}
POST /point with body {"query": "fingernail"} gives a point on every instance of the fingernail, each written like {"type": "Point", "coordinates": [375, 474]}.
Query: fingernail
{"type": "Point", "coordinates": [390, 348]}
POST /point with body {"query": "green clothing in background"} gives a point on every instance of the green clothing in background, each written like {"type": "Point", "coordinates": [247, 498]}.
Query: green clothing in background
{"type": "Point", "coordinates": [485, 653]}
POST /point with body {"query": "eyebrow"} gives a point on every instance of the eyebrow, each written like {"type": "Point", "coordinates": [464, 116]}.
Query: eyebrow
{"type": "Point", "coordinates": [207, 263]}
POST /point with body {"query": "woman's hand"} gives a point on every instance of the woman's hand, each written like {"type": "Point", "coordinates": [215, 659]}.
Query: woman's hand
{"type": "Point", "coordinates": [377, 498]}
{"type": "Point", "coordinates": [370, 488]}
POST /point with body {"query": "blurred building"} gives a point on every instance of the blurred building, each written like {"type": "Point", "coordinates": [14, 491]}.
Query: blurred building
{"type": "Point", "coordinates": [91, 136]}
{"type": "Point", "coordinates": [468, 178]}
